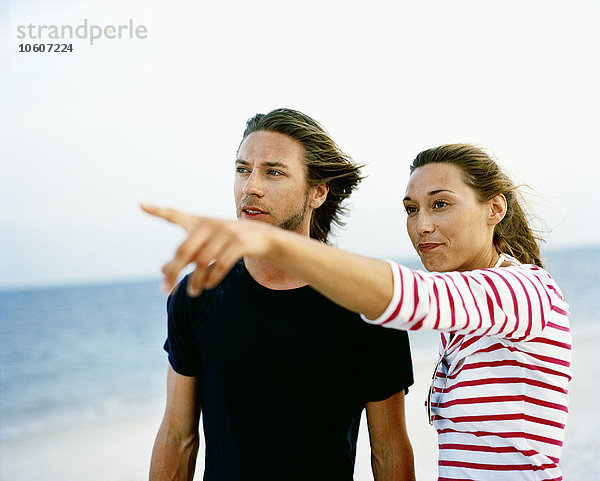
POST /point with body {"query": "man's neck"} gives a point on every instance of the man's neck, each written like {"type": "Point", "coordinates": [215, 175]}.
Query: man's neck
{"type": "Point", "coordinates": [270, 276]}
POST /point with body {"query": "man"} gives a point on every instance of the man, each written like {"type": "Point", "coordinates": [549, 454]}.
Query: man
{"type": "Point", "coordinates": [280, 373]}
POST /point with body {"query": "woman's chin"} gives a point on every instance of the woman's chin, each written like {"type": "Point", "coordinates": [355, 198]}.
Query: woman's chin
{"type": "Point", "coordinates": [432, 263]}
{"type": "Point", "coordinates": [432, 266]}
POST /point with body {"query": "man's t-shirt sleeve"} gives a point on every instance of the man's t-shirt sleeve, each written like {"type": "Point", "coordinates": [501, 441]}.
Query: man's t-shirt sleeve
{"type": "Point", "coordinates": [387, 364]}
{"type": "Point", "coordinates": [180, 335]}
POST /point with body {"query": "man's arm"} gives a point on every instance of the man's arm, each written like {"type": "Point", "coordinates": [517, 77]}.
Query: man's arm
{"type": "Point", "coordinates": [391, 451]}
{"type": "Point", "coordinates": [176, 445]}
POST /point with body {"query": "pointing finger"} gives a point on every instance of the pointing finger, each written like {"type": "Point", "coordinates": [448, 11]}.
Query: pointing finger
{"type": "Point", "coordinates": [187, 221]}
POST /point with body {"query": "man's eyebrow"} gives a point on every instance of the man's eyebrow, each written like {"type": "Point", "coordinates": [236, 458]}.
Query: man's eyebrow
{"type": "Point", "coordinates": [433, 192]}
{"type": "Point", "coordinates": [268, 164]}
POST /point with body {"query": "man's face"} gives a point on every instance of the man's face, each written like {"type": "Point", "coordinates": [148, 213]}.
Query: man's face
{"type": "Point", "coordinates": [270, 182]}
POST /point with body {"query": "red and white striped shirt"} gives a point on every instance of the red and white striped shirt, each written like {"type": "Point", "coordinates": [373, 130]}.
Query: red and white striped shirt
{"type": "Point", "coordinates": [500, 393]}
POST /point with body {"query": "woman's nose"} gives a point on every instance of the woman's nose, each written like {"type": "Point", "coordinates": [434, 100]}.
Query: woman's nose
{"type": "Point", "coordinates": [425, 224]}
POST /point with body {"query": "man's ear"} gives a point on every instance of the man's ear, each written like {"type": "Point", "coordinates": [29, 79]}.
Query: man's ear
{"type": "Point", "coordinates": [498, 206]}
{"type": "Point", "coordinates": [318, 194]}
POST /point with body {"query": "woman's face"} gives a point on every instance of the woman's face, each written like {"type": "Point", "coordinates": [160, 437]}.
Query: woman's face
{"type": "Point", "coordinates": [449, 227]}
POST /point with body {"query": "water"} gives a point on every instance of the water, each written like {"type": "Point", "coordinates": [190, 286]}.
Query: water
{"type": "Point", "coordinates": [79, 354]}
{"type": "Point", "coordinates": [94, 353]}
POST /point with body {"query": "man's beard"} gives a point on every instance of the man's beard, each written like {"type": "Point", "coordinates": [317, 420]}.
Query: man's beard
{"type": "Point", "coordinates": [293, 222]}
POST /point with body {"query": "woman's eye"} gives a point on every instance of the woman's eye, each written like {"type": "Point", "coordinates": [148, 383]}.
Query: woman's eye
{"type": "Point", "coordinates": [438, 204]}
{"type": "Point", "coordinates": [410, 209]}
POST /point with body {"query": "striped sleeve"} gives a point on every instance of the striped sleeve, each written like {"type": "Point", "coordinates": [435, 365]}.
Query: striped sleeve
{"type": "Point", "coordinates": [510, 302]}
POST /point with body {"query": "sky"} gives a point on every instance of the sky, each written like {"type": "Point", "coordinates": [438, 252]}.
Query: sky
{"type": "Point", "coordinates": [87, 135]}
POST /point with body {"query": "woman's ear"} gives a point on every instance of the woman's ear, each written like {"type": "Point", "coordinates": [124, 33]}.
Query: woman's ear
{"type": "Point", "coordinates": [318, 195]}
{"type": "Point", "coordinates": [498, 206]}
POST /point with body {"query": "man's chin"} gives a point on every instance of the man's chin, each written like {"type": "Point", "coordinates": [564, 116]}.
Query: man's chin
{"type": "Point", "coordinates": [256, 217]}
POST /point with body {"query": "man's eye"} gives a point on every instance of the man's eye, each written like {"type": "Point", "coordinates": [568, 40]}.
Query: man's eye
{"type": "Point", "coordinates": [241, 170]}
{"type": "Point", "coordinates": [439, 204]}
{"type": "Point", "coordinates": [274, 172]}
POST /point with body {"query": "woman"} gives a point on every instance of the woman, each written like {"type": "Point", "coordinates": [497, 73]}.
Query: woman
{"type": "Point", "coordinates": [499, 395]}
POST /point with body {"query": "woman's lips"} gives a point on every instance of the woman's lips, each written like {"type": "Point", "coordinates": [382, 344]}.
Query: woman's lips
{"type": "Point", "coordinates": [427, 246]}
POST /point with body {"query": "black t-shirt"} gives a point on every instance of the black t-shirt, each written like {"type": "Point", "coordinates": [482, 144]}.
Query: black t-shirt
{"type": "Point", "coordinates": [284, 376]}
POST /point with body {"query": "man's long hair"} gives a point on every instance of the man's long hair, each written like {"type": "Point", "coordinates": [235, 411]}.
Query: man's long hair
{"type": "Point", "coordinates": [325, 163]}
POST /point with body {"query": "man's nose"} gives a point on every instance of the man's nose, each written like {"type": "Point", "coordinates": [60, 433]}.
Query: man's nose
{"type": "Point", "coordinates": [254, 184]}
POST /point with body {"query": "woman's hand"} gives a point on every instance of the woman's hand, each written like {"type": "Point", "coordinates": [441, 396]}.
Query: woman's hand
{"type": "Point", "coordinates": [357, 283]}
{"type": "Point", "coordinates": [214, 245]}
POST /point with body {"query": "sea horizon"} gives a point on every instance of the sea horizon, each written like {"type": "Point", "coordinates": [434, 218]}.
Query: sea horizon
{"type": "Point", "coordinates": [412, 262]}
{"type": "Point", "coordinates": [91, 354]}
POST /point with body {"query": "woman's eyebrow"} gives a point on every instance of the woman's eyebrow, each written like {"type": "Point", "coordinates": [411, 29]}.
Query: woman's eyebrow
{"type": "Point", "coordinates": [433, 192]}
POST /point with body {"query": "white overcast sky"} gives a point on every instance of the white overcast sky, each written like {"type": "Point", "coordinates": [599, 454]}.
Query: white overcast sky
{"type": "Point", "coordinates": [87, 135]}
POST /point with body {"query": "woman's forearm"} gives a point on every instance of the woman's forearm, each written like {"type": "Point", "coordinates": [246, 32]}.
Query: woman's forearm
{"type": "Point", "coordinates": [360, 284]}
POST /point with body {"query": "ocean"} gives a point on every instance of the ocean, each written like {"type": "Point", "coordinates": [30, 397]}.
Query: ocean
{"type": "Point", "coordinates": [78, 354]}
{"type": "Point", "coordinates": [93, 353]}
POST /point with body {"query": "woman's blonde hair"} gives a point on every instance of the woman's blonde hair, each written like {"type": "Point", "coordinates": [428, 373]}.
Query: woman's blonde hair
{"type": "Point", "coordinates": [513, 235]}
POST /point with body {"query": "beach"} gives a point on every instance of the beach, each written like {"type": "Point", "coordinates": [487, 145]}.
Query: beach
{"type": "Point", "coordinates": [120, 450]}
{"type": "Point", "coordinates": [82, 377]}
